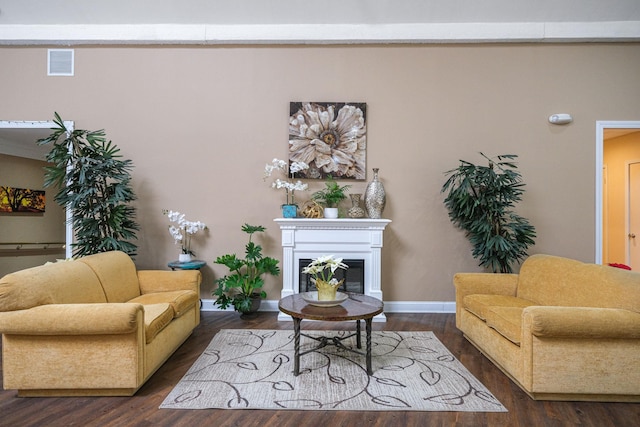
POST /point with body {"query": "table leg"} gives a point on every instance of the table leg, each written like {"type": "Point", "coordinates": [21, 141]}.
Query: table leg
{"type": "Point", "coordinates": [296, 346]}
{"type": "Point", "coordinates": [358, 341]}
{"type": "Point", "coordinates": [368, 327]}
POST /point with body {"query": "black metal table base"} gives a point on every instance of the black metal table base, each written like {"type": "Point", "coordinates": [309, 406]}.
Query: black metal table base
{"type": "Point", "coordinates": [335, 341]}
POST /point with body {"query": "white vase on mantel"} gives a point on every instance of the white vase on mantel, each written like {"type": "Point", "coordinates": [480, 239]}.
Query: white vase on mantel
{"type": "Point", "coordinates": [184, 258]}
{"type": "Point", "coordinates": [331, 213]}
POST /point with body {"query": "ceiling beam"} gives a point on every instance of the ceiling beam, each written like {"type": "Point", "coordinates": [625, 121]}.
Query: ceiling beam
{"type": "Point", "coordinates": [537, 32]}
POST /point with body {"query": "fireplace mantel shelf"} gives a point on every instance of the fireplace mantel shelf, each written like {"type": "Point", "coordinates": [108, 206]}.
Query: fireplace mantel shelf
{"type": "Point", "coordinates": [349, 238]}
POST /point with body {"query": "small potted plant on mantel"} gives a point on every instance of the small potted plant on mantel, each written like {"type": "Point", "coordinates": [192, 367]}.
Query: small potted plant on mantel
{"type": "Point", "coordinates": [242, 287]}
{"type": "Point", "coordinates": [330, 196]}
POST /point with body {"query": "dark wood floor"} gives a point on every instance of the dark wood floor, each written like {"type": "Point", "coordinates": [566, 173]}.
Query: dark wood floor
{"type": "Point", "coordinates": [142, 409]}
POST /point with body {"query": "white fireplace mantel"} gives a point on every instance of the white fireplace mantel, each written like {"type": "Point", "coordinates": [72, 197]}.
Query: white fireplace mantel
{"type": "Point", "coordinates": [349, 238]}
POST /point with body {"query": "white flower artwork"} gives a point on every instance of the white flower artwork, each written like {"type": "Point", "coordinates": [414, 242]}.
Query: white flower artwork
{"type": "Point", "coordinates": [330, 137]}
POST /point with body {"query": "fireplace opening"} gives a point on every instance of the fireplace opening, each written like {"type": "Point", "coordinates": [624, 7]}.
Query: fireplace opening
{"type": "Point", "coordinates": [353, 276]}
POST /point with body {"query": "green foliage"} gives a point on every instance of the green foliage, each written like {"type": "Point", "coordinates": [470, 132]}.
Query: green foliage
{"type": "Point", "coordinates": [332, 194]}
{"type": "Point", "coordinates": [480, 200]}
{"type": "Point", "coordinates": [95, 184]}
{"type": "Point", "coordinates": [245, 275]}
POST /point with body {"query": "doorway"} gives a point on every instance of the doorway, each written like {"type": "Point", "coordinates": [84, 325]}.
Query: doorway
{"type": "Point", "coordinates": [17, 138]}
{"type": "Point", "coordinates": [611, 198]}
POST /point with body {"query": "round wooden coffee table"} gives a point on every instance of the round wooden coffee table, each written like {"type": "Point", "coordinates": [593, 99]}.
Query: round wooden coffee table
{"type": "Point", "coordinates": [356, 307]}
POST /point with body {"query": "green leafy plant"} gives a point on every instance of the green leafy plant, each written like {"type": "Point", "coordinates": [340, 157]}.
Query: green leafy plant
{"type": "Point", "coordinates": [244, 280]}
{"type": "Point", "coordinates": [481, 201]}
{"type": "Point", "coordinates": [94, 183]}
{"type": "Point", "coordinates": [332, 194]}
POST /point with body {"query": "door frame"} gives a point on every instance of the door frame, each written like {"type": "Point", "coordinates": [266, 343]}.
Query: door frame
{"type": "Point", "coordinates": [601, 125]}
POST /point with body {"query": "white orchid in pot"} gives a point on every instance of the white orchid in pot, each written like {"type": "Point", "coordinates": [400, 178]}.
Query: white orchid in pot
{"type": "Point", "coordinates": [322, 270]}
{"type": "Point", "coordinates": [182, 232]}
{"type": "Point", "coordinates": [290, 208]}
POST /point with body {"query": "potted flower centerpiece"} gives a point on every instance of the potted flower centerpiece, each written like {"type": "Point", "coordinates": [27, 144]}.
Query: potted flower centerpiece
{"type": "Point", "coordinates": [181, 231]}
{"type": "Point", "coordinates": [290, 208]}
{"type": "Point", "coordinates": [242, 287]}
{"type": "Point", "coordinates": [330, 196]}
{"type": "Point", "coordinates": [322, 270]}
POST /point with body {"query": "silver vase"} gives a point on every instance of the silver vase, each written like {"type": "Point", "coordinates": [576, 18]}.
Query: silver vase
{"type": "Point", "coordinates": [375, 197]}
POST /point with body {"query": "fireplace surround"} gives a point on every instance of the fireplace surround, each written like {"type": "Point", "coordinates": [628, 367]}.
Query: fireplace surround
{"type": "Point", "coordinates": [348, 238]}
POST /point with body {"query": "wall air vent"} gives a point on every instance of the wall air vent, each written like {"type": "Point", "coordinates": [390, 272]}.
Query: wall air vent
{"type": "Point", "coordinates": [60, 62]}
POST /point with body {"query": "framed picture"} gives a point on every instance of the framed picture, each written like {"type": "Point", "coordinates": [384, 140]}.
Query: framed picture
{"type": "Point", "coordinates": [330, 137]}
{"type": "Point", "coordinates": [14, 200]}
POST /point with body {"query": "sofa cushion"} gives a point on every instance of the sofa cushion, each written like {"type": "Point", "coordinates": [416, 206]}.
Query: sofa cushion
{"type": "Point", "coordinates": [156, 317]}
{"type": "Point", "coordinates": [181, 300]}
{"type": "Point", "coordinates": [552, 280]}
{"type": "Point", "coordinates": [117, 274]}
{"type": "Point", "coordinates": [57, 283]}
{"type": "Point", "coordinates": [507, 321]}
{"type": "Point", "coordinates": [478, 304]}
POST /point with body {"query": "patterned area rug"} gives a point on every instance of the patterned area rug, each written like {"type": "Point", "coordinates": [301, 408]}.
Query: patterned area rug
{"type": "Point", "coordinates": [253, 369]}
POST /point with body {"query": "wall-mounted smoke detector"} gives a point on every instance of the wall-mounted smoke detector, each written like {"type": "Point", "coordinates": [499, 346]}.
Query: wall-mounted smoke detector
{"type": "Point", "coordinates": [60, 62]}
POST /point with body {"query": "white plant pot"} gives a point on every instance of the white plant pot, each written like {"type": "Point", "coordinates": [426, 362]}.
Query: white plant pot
{"type": "Point", "coordinates": [184, 258]}
{"type": "Point", "coordinates": [331, 212]}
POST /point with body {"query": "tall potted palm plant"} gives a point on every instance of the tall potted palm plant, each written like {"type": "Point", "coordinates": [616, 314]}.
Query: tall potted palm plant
{"type": "Point", "coordinates": [481, 201]}
{"type": "Point", "coordinates": [95, 184]}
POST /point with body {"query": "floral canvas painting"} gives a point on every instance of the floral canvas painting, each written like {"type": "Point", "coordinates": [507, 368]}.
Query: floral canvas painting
{"type": "Point", "coordinates": [330, 137]}
{"type": "Point", "coordinates": [21, 200]}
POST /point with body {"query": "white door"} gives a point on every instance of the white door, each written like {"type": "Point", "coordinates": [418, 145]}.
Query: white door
{"type": "Point", "coordinates": [634, 216]}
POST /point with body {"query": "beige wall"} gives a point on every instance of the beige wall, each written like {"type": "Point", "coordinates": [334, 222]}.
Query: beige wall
{"type": "Point", "coordinates": [47, 227]}
{"type": "Point", "coordinates": [616, 155]}
{"type": "Point", "coordinates": [201, 122]}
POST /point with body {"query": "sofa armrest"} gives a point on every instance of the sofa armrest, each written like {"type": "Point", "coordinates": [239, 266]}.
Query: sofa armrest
{"type": "Point", "coordinates": [581, 322]}
{"type": "Point", "coordinates": [163, 281]}
{"type": "Point", "coordinates": [74, 319]}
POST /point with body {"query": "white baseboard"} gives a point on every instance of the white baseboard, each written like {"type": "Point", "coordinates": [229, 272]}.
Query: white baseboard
{"type": "Point", "coordinates": [389, 306]}
{"type": "Point", "coordinates": [420, 306]}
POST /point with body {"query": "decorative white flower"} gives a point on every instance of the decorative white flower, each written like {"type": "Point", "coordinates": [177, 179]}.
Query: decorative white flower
{"type": "Point", "coordinates": [331, 144]}
{"type": "Point", "coordinates": [324, 268]}
{"type": "Point", "coordinates": [289, 186]}
{"type": "Point", "coordinates": [184, 230]}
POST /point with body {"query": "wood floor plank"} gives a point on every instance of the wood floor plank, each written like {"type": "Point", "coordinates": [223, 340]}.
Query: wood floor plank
{"type": "Point", "coordinates": [142, 409]}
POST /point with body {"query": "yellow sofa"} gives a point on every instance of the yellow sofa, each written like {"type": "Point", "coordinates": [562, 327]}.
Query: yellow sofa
{"type": "Point", "coordinates": [560, 329]}
{"type": "Point", "coordinates": [93, 326]}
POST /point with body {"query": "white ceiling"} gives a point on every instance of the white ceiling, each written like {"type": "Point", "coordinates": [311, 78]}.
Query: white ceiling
{"type": "Point", "coordinates": [22, 142]}
{"type": "Point", "coordinates": [19, 138]}
{"type": "Point", "coordinates": [610, 133]}
{"type": "Point", "coordinates": [269, 12]}
{"type": "Point", "coordinates": [219, 21]}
